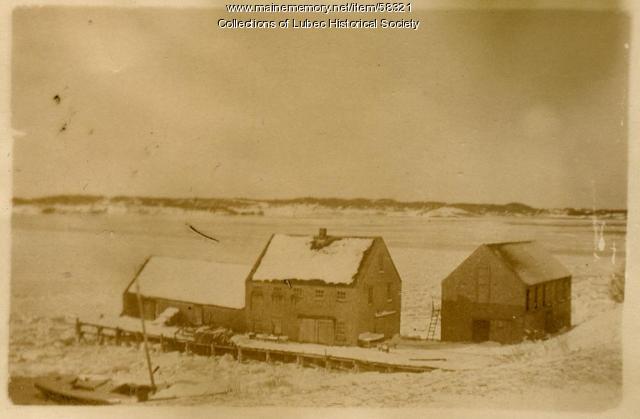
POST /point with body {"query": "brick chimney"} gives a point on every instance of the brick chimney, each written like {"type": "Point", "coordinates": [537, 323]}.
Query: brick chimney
{"type": "Point", "coordinates": [321, 240]}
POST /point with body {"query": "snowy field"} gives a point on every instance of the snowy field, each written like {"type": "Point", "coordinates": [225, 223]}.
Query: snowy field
{"type": "Point", "coordinates": [73, 264]}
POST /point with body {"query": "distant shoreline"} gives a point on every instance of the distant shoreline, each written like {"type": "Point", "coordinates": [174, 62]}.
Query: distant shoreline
{"type": "Point", "coordinates": [93, 204]}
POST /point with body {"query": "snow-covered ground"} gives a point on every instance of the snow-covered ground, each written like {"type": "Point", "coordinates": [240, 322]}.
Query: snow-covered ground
{"type": "Point", "coordinates": [67, 265]}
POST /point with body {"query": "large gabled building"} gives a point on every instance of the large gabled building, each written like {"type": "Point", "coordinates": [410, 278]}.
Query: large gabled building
{"type": "Point", "coordinates": [506, 292]}
{"type": "Point", "coordinates": [324, 289]}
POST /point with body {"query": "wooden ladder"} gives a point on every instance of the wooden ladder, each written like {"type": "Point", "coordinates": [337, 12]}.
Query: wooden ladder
{"type": "Point", "coordinates": [433, 323]}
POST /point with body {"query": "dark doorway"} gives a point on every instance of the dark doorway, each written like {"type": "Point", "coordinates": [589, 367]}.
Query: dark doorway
{"type": "Point", "coordinates": [550, 322]}
{"type": "Point", "coordinates": [480, 330]}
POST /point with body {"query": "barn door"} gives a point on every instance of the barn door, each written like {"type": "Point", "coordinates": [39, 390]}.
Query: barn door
{"type": "Point", "coordinates": [550, 322]}
{"type": "Point", "coordinates": [481, 330]}
{"type": "Point", "coordinates": [308, 331]}
{"type": "Point", "coordinates": [325, 331]}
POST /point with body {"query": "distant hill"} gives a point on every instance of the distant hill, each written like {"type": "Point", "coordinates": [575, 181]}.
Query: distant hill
{"type": "Point", "coordinates": [297, 206]}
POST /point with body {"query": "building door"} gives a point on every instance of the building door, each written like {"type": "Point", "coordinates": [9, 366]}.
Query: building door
{"type": "Point", "coordinates": [316, 331]}
{"type": "Point", "coordinates": [325, 331]}
{"type": "Point", "coordinates": [480, 332]}
{"type": "Point", "coordinates": [308, 331]}
{"type": "Point", "coordinates": [277, 326]}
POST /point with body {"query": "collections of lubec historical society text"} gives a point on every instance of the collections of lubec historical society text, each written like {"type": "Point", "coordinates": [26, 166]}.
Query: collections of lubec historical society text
{"type": "Point", "coordinates": [321, 16]}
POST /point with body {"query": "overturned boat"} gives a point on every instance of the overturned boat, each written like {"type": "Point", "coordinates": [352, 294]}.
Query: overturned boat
{"type": "Point", "coordinates": [94, 390]}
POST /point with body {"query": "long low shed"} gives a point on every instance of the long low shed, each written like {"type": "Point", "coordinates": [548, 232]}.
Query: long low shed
{"type": "Point", "coordinates": [204, 292]}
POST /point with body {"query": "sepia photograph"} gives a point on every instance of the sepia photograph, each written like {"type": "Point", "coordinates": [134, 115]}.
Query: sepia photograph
{"type": "Point", "coordinates": [330, 204]}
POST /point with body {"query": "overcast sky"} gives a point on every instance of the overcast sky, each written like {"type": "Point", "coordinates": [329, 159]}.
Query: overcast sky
{"type": "Point", "coordinates": [473, 107]}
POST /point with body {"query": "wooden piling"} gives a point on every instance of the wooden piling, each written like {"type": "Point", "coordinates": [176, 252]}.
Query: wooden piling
{"type": "Point", "coordinates": [78, 330]}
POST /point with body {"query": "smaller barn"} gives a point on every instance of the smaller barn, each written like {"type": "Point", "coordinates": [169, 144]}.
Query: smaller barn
{"type": "Point", "coordinates": [505, 292]}
{"type": "Point", "coordinates": [202, 292]}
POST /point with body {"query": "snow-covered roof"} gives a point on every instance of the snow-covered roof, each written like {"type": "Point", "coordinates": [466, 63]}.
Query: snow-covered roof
{"type": "Point", "coordinates": [294, 257]}
{"type": "Point", "coordinates": [530, 261]}
{"type": "Point", "coordinates": [194, 281]}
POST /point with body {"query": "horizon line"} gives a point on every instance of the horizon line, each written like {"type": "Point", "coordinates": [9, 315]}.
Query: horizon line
{"type": "Point", "coordinates": [310, 198]}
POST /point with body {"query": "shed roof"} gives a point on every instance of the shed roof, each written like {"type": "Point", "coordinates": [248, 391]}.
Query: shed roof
{"type": "Point", "coordinates": [194, 281]}
{"type": "Point", "coordinates": [530, 261]}
{"type": "Point", "coordinates": [295, 258]}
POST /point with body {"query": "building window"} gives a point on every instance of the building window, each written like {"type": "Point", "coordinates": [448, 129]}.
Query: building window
{"type": "Point", "coordinates": [341, 295]}
{"type": "Point", "coordinates": [389, 292]}
{"type": "Point", "coordinates": [381, 262]}
{"type": "Point", "coordinates": [341, 331]}
{"type": "Point", "coordinates": [297, 294]}
{"type": "Point", "coordinates": [319, 294]}
{"type": "Point", "coordinates": [277, 297]}
{"type": "Point", "coordinates": [370, 298]}
{"type": "Point", "coordinates": [531, 300]}
{"type": "Point", "coordinates": [256, 299]}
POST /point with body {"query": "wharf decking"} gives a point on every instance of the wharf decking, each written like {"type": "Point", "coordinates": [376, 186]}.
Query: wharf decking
{"type": "Point", "coordinates": [127, 330]}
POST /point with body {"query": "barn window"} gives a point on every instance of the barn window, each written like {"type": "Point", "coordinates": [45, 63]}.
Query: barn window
{"type": "Point", "coordinates": [483, 278]}
{"type": "Point", "coordinates": [381, 262]}
{"type": "Point", "coordinates": [341, 295]}
{"type": "Point", "coordinates": [341, 331]}
{"type": "Point", "coordinates": [370, 295]}
{"type": "Point", "coordinates": [389, 292]}
{"type": "Point", "coordinates": [319, 294]}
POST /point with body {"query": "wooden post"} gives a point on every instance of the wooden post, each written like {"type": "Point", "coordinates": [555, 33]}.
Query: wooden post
{"type": "Point", "coordinates": [213, 350]}
{"type": "Point", "coordinates": [239, 354]}
{"type": "Point", "coordinates": [99, 333]}
{"type": "Point", "coordinates": [162, 348]}
{"type": "Point", "coordinates": [356, 367]}
{"type": "Point", "coordinates": [78, 330]}
{"type": "Point", "coordinates": [299, 360]}
{"type": "Point", "coordinates": [118, 332]}
{"type": "Point", "coordinates": [144, 336]}
{"type": "Point", "coordinates": [267, 356]}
